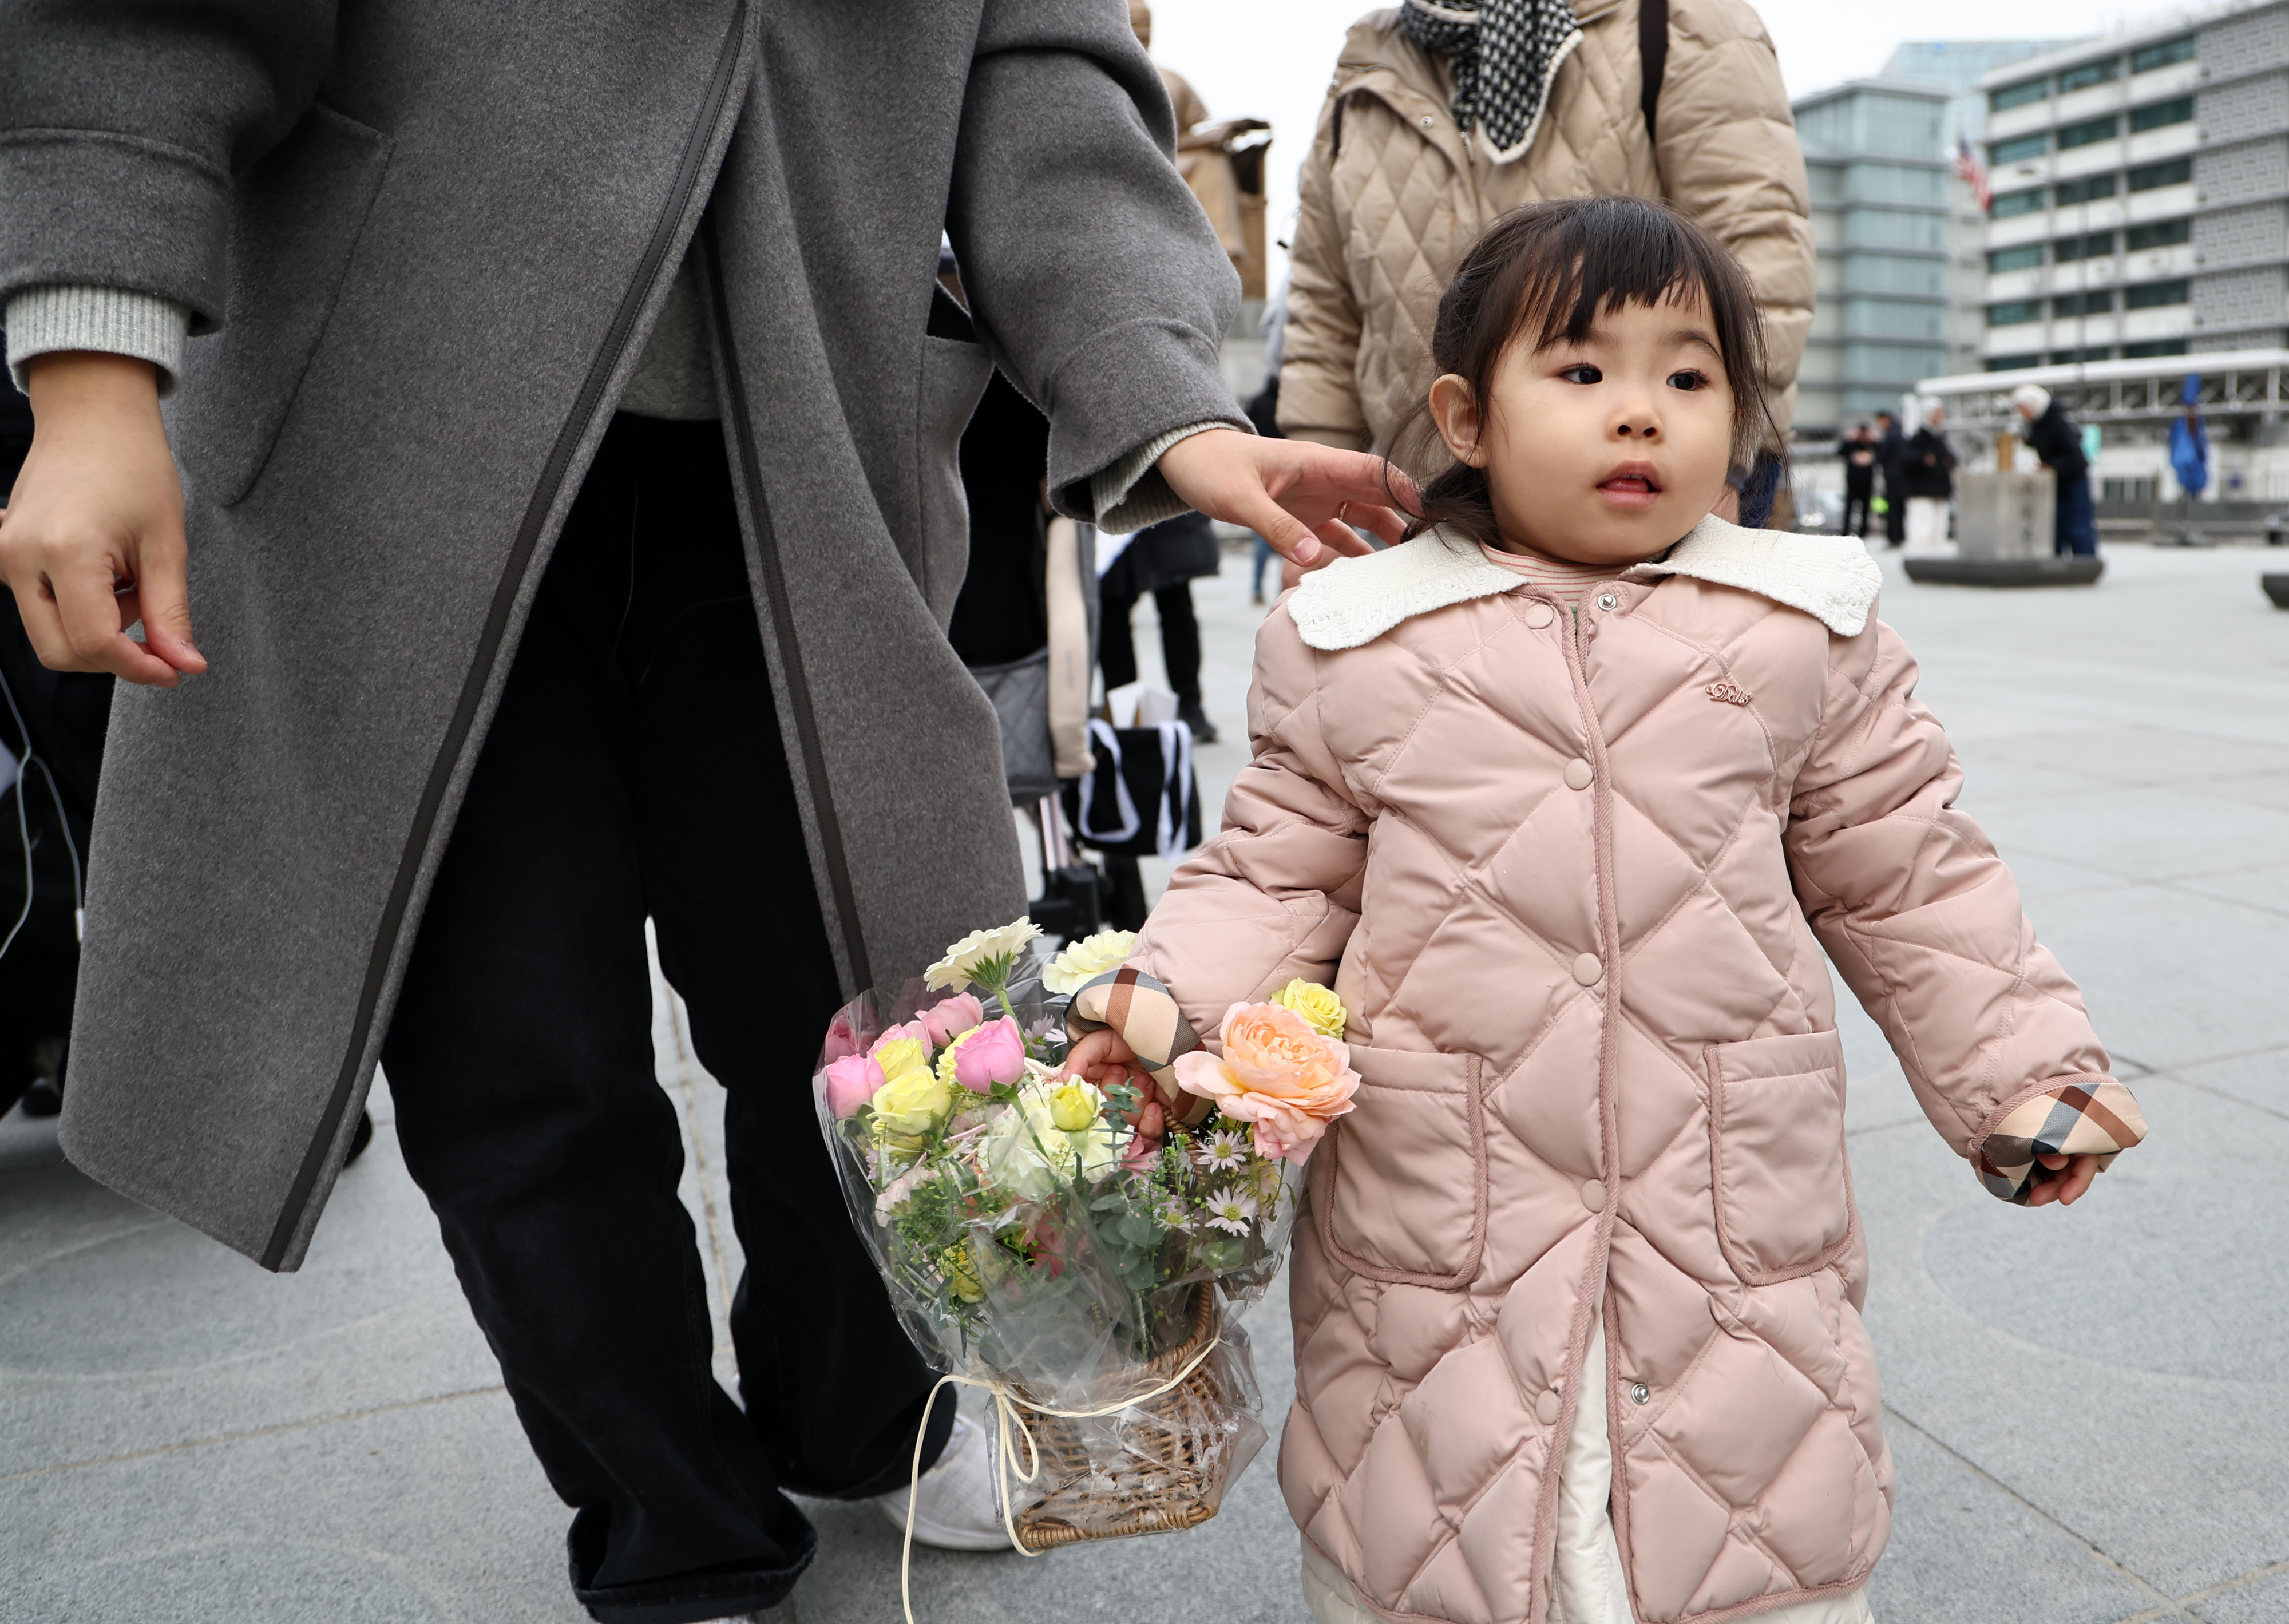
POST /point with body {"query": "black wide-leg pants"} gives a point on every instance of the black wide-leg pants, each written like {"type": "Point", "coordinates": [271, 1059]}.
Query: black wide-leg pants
{"type": "Point", "coordinates": [635, 770]}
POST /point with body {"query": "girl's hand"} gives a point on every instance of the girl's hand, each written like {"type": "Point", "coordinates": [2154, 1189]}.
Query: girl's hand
{"type": "Point", "coordinates": [1105, 1059]}
{"type": "Point", "coordinates": [2067, 1189]}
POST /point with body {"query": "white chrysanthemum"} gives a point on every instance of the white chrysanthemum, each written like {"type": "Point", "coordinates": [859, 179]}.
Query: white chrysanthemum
{"type": "Point", "coordinates": [1222, 1152]}
{"type": "Point", "coordinates": [1083, 961]}
{"type": "Point", "coordinates": [1231, 1209]}
{"type": "Point", "coordinates": [1026, 1153]}
{"type": "Point", "coordinates": [980, 948]}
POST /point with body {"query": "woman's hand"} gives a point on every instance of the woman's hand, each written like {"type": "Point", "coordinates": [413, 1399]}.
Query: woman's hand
{"type": "Point", "coordinates": [93, 540]}
{"type": "Point", "coordinates": [2068, 1188]}
{"type": "Point", "coordinates": [1309, 502]}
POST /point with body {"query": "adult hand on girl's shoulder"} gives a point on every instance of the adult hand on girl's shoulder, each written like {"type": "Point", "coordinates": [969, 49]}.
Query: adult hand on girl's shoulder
{"type": "Point", "coordinates": [2072, 1175]}
{"type": "Point", "coordinates": [1309, 502]}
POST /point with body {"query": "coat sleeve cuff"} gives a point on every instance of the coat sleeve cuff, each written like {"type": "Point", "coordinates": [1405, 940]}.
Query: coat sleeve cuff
{"type": "Point", "coordinates": [2074, 1116]}
{"type": "Point", "coordinates": [1143, 1011]}
{"type": "Point", "coordinates": [1131, 494]}
{"type": "Point", "coordinates": [109, 321]}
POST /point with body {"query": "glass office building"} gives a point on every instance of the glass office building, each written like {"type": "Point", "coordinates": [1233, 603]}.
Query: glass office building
{"type": "Point", "coordinates": [2141, 195]}
{"type": "Point", "coordinates": [1876, 156]}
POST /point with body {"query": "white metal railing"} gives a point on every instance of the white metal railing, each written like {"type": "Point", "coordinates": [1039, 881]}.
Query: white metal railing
{"type": "Point", "coordinates": [2234, 383]}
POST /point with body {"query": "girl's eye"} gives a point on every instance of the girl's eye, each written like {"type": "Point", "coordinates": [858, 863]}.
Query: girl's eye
{"type": "Point", "coordinates": [1688, 379]}
{"type": "Point", "coordinates": [1582, 374]}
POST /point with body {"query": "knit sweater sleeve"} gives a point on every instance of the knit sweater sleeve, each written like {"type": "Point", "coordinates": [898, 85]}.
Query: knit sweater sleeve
{"type": "Point", "coordinates": [44, 321]}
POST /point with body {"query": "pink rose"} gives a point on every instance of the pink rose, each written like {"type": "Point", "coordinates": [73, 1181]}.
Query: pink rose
{"type": "Point", "coordinates": [850, 1082]}
{"type": "Point", "coordinates": [995, 1052]}
{"type": "Point", "coordinates": [843, 1039]}
{"type": "Point", "coordinates": [911, 1029]}
{"type": "Point", "coordinates": [944, 1022]}
{"type": "Point", "coordinates": [1276, 1072]}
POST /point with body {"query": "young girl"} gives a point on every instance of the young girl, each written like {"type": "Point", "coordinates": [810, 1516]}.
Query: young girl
{"type": "Point", "coordinates": [1566, 794]}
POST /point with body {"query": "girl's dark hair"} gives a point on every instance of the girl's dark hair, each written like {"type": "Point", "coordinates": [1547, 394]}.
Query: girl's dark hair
{"type": "Point", "coordinates": [1544, 272]}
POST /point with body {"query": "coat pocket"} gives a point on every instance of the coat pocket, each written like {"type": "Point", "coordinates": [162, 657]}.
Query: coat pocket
{"type": "Point", "coordinates": [955, 373]}
{"type": "Point", "coordinates": [1782, 1187]}
{"type": "Point", "coordinates": [1400, 1191]}
{"type": "Point", "coordinates": [296, 219]}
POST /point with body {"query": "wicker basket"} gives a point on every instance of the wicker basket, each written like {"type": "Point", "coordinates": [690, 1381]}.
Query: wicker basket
{"type": "Point", "coordinates": [1157, 1467]}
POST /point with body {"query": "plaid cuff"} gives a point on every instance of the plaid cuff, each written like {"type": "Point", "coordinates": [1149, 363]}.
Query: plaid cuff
{"type": "Point", "coordinates": [2083, 1116]}
{"type": "Point", "coordinates": [1143, 1011]}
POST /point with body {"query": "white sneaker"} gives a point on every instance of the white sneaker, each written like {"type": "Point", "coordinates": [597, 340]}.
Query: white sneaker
{"type": "Point", "coordinates": [957, 1504]}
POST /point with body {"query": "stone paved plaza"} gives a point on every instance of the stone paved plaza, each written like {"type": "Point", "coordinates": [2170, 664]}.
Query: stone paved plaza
{"type": "Point", "coordinates": [2089, 1408]}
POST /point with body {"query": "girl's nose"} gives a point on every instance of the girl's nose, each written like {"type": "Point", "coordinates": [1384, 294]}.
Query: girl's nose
{"type": "Point", "coordinates": [1643, 430]}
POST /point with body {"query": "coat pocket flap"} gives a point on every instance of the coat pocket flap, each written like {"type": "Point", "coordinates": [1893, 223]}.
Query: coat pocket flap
{"type": "Point", "coordinates": [1402, 1194]}
{"type": "Point", "coordinates": [1792, 1056]}
{"type": "Point", "coordinates": [1410, 1068]}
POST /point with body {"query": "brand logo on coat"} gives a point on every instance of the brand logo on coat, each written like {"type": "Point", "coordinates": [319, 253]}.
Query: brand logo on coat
{"type": "Point", "coordinates": [1726, 693]}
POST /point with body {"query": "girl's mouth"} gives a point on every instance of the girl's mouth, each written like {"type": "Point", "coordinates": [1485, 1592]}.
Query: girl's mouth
{"type": "Point", "coordinates": [1633, 484]}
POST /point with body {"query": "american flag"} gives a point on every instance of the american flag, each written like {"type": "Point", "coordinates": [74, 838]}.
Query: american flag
{"type": "Point", "coordinates": [1971, 172]}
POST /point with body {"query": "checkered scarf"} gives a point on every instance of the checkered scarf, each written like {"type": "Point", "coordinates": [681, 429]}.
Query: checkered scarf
{"type": "Point", "coordinates": [1505, 53]}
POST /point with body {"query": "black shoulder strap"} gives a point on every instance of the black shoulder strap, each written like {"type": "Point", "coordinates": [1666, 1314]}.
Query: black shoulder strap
{"type": "Point", "coordinates": [1653, 59]}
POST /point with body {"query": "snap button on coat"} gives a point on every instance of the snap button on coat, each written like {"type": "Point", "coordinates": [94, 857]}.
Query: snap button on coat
{"type": "Point", "coordinates": [1545, 1408]}
{"type": "Point", "coordinates": [1539, 615]}
{"type": "Point", "coordinates": [1578, 774]}
{"type": "Point", "coordinates": [1593, 1195]}
{"type": "Point", "coordinates": [1607, 601]}
{"type": "Point", "coordinates": [1587, 969]}
{"type": "Point", "coordinates": [1639, 1393]}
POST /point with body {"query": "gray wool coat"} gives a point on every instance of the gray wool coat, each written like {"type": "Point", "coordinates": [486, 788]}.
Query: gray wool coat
{"type": "Point", "coordinates": [426, 244]}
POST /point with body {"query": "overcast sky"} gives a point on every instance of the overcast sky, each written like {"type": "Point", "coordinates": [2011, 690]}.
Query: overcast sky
{"type": "Point", "coordinates": [1271, 59]}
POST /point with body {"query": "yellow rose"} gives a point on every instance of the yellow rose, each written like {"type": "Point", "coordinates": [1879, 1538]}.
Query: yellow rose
{"type": "Point", "coordinates": [1073, 1108]}
{"type": "Point", "coordinates": [961, 1273]}
{"type": "Point", "coordinates": [911, 1099]}
{"type": "Point", "coordinates": [1316, 1004]}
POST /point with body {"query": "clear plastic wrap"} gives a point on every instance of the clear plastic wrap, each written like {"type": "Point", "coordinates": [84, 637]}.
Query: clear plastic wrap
{"type": "Point", "coordinates": [1034, 1242]}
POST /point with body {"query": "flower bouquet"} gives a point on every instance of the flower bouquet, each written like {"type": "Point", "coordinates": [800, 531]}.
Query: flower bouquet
{"type": "Point", "coordinates": [1067, 1245]}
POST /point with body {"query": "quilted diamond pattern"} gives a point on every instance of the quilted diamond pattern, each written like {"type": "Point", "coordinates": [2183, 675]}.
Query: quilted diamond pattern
{"type": "Point", "coordinates": [1625, 958]}
{"type": "Point", "coordinates": [1393, 196]}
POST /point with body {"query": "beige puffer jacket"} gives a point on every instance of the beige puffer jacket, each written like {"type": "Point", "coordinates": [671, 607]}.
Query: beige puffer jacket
{"type": "Point", "coordinates": [1572, 883]}
{"type": "Point", "coordinates": [1394, 195]}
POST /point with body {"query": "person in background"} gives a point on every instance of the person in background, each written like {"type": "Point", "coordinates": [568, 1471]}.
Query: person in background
{"type": "Point", "coordinates": [1928, 472]}
{"type": "Point", "coordinates": [1859, 479]}
{"type": "Point", "coordinates": [1443, 116]}
{"type": "Point", "coordinates": [1263, 410]}
{"type": "Point", "coordinates": [1190, 108]}
{"type": "Point", "coordinates": [1164, 560]}
{"type": "Point", "coordinates": [58, 718]}
{"type": "Point", "coordinates": [1891, 457]}
{"type": "Point", "coordinates": [2054, 438]}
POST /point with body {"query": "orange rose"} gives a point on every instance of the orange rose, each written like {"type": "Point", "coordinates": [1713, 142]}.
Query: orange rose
{"type": "Point", "coordinates": [1276, 1072]}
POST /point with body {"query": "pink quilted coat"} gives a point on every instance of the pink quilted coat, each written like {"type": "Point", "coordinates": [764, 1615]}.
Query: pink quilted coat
{"type": "Point", "coordinates": [1572, 883]}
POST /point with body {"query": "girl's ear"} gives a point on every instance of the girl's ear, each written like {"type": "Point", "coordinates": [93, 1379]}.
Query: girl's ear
{"type": "Point", "coordinates": [1456, 411]}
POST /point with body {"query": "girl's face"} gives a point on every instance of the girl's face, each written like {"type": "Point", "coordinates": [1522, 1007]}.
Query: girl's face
{"type": "Point", "coordinates": [1605, 451]}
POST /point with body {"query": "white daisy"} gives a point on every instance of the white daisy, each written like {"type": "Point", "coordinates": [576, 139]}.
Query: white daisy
{"type": "Point", "coordinates": [1222, 1152]}
{"type": "Point", "coordinates": [1231, 1209]}
{"type": "Point", "coordinates": [1171, 1215]}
